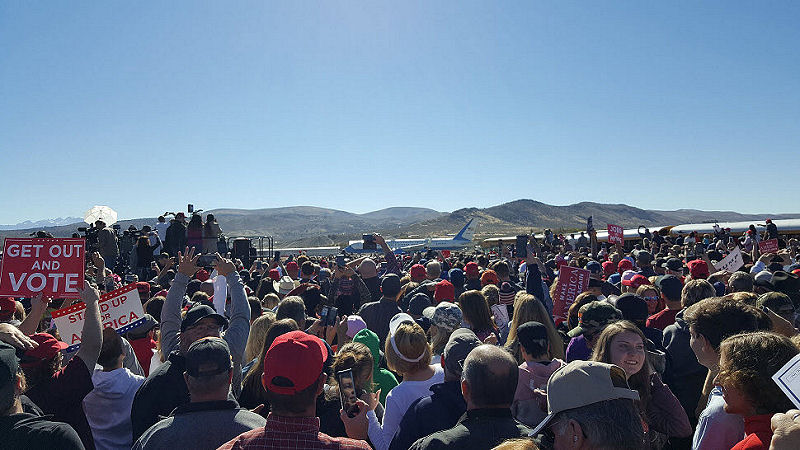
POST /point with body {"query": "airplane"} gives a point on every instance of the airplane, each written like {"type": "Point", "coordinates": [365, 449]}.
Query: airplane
{"type": "Point", "coordinates": [308, 251]}
{"type": "Point", "coordinates": [461, 240]}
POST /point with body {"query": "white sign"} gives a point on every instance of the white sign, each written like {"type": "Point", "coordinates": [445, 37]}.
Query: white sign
{"type": "Point", "coordinates": [120, 310]}
{"type": "Point", "coordinates": [220, 294]}
{"type": "Point", "coordinates": [788, 379]}
{"type": "Point", "coordinates": [732, 262]}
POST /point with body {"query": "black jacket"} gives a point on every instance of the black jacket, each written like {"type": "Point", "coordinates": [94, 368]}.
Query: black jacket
{"type": "Point", "coordinates": [478, 429]}
{"type": "Point", "coordinates": [28, 431]}
{"type": "Point", "coordinates": [162, 392]}
{"type": "Point", "coordinates": [377, 316]}
{"type": "Point", "coordinates": [175, 240]}
{"type": "Point", "coordinates": [686, 376]}
{"type": "Point", "coordinates": [427, 415]}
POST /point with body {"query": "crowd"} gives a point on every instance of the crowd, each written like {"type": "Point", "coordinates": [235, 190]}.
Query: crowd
{"type": "Point", "coordinates": [432, 350]}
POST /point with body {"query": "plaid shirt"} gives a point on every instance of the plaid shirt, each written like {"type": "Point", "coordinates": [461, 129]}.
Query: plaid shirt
{"type": "Point", "coordinates": [282, 432]}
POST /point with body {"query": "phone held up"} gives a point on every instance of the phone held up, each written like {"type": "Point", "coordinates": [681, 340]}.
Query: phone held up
{"type": "Point", "coordinates": [206, 260]}
{"type": "Point", "coordinates": [522, 246]}
{"type": "Point", "coordinates": [369, 242]}
{"type": "Point", "coordinates": [327, 317]}
{"type": "Point", "coordinates": [347, 392]}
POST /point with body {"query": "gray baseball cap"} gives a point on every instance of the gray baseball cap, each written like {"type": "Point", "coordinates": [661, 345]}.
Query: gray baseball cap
{"type": "Point", "coordinates": [461, 342]}
{"type": "Point", "coordinates": [582, 383]}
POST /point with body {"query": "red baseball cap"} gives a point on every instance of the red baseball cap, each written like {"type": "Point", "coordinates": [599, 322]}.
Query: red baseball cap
{"type": "Point", "coordinates": [293, 362]}
{"type": "Point", "coordinates": [489, 277]}
{"type": "Point", "coordinates": [202, 275]}
{"type": "Point", "coordinates": [8, 306]}
{"type": "Point", "coordinates": [608, 268]}
{"type": "Point", "coordinates": [274, 274]}
{"type": "Point", "coordinates": [624, 265]}
{"type": "Point", "coordinates": [698, 269]}
{"type": "Point", "coordinates": [48, 348]}
{"type": "Point", "coordinates": [444, 291]}
{"type": "Point", "coordinates": [472, 269]}
{"type": "Point", "coordinates": [637, 280]}
{"type": "Point", "coordinates": [417, 272]}
{"type": "Point", "coordinates": [143, 287]}
{"type": "Point", "coordinates": [291, 265]}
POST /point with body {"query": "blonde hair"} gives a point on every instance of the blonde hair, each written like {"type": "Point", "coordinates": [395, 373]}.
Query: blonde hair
{"type": "Point", "coordinates": [258, 332]}
{"type": "Point", "coordinates": [527, 308]}
{"type": "Point", "coordinates": [357, 357]}
{"type": "Point", "coordinates": [412, 342]}
{"type": "Point", "coordinates": [271, 300]}
{"type": "Point", "coordinates": [492, 294]}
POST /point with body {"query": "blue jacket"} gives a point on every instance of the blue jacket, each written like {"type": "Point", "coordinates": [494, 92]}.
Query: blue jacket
{"type": "Point", "coordinates": [437, 412]}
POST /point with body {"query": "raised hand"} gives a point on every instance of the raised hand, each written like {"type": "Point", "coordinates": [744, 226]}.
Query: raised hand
{"type": "Point", "coordinates": [89, 295]}
{"type": "Point", "coordinates": [187, 262]}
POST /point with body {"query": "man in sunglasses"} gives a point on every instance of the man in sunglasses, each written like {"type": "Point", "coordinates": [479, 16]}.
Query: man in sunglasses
{"type": "Point", "coordinates": [590, 405]}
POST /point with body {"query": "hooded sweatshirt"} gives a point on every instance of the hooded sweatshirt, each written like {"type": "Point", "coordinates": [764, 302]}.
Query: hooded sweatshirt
{"type": "Point", "coordinates": [384, 379]}
{"type": "Point", "coordinates": [534, 375]}
{"type": "Point", "coordinates": [527, 406]}
{"type": "Point", "coordinates": [108, 408]}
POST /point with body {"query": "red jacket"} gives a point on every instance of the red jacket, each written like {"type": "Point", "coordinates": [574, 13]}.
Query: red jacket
{"type": "Point", "coordinates": [758, 433]}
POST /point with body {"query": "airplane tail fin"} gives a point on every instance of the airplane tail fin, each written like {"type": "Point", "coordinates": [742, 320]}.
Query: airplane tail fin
{"type": "Point", "coordinates": [466, 233]}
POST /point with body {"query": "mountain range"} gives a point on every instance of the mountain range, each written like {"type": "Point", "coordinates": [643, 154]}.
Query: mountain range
{"type": "Point", "coordinates": [41, 223]}
{"type": "Point", "coordinates": [313, 226]}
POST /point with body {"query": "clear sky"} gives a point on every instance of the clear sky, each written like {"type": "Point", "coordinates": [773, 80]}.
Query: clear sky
{"type": "Point", "coordinates": [147, 106]}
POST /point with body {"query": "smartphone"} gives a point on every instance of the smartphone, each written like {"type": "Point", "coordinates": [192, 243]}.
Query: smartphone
{"type": "Point", "coordinates": [340, 260]}
{"type": "Point", "coordinates": [277, 256]}
{"type": "Point", "coordinates": [522, 246]}
{"type": "Point", "coordinates": [206, 260]}
{"type": "Point", "coordinates": [330, 320]}
{"type": "Point", "coordinates": [323, 316]}
{"type": "Point", "coordinates": [153, 265]}
{"type": "Point", "coordinates": [347, 392]}
{"type": "Point", "coordinates": [190, 208]}
{"type": "Point", "coordinates": [259, 266]}
{"type": "Point", "coordinates": [369, 242]}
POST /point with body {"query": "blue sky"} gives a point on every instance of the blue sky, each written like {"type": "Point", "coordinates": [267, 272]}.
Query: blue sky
{"type": "Point", "coordinates": [147, 106]}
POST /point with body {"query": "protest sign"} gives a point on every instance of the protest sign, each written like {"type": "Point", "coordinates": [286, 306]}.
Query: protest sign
{"type": "Point", "coordinates": [54, 267]}
{"type": "Point", "coordinates": [768, 246]}
{"type": "Point", "coordinates": [120, 309]}
{"type": "Point", "coordinates": [615, 235]}
{"type": "Point", "coordinates": [571, 282]}
{"type": "Point", "coordinates": [788, 379]}
{"type": "Point", "coordinates": [732, 262]}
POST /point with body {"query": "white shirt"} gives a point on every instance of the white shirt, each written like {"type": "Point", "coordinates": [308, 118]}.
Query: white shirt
{"type": "Point", "coordinates": [397, 403]}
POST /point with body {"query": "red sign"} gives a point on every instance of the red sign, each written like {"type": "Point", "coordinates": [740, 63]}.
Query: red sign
{"type": "Point", "coordinates": [54, 267]}
{"type": "Point", "coordinates": [768, 246]}
{"type": "Point", "coordinates": [615, 235]}
{"type": "Point", "coordinates": [571, 282]}
{"type": "Point", "coordinates": [446, 253]}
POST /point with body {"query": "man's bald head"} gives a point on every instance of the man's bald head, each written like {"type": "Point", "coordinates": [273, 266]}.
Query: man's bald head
{"type": "Point", "coordinates": [491, 374]}
{"type": "Point", "coordinates": [433, 270]}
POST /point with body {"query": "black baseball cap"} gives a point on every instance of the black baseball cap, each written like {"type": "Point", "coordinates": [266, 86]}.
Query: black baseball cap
{"type": "Point", "coordinates": [530, 333]}
{"type": "Point", "coordinates": [632, 306]}
{"type": "Point", "coordinates": [674, 264]}
{"type": "Point", "coordinates": [207, 357]}
{"type": "Point", "coordinates": [141, 331]}
{"type": "Point", "coordinates": [671, 286]}
{"type": "Point", "coordinates": [200, 312]}
{"type": "Point", "coordinates": [9, 365]}
{"type": "Point", "coordinates": [390, 284]}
